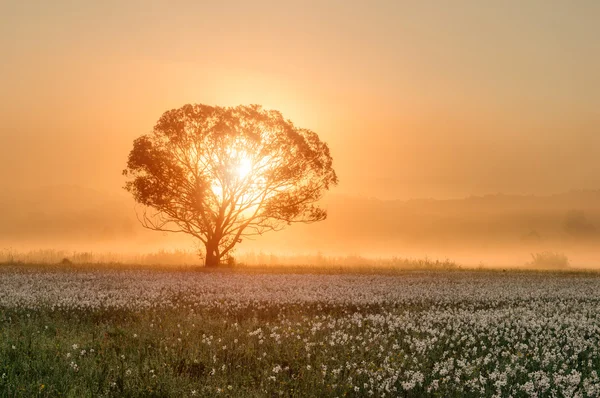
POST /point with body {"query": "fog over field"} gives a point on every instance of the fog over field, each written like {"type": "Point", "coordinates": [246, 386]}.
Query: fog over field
{"type": "Point", "coordinates": [491, 230]}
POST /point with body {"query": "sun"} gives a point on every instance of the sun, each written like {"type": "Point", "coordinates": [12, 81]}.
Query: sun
{"type": "Point", "coordinates": [244, 167]}
{"type": "Point", "coordinates": [239, 168]}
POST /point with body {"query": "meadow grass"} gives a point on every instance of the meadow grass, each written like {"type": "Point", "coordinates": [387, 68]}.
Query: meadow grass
{"type": "Point", "coordinates": [79, 331]}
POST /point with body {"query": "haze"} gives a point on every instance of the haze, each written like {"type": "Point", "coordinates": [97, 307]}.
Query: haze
{"type": "Point", "coordinates": [415, 99]}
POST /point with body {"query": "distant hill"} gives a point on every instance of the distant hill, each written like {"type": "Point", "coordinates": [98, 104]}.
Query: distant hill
{"type": "Point", "coordinates": [65, 212]}
{"type": "Point", "coordinates": [367, 224]}
{"type": "Point", "coordinates": [493, 216]}
{"type": "Point", "coordinates": [71, 213]}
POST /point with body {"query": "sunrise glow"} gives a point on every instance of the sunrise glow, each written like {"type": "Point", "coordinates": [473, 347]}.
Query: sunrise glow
{"type": "Point", "coordinates": [244, 168]}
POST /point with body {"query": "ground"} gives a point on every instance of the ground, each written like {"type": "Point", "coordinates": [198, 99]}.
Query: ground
{"type": "Point", "coordinates": [156, 332]}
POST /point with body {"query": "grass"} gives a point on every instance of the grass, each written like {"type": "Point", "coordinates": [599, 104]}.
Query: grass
{"type": "Point", "coordinates": [184, 259]}
{"type": "Point", "coordinates": [124, 355]}
{"type": "Point", "coordinates": [549, 260]}
{"type": "Point", "coordinates": [158, 353]}
{"type": "Point", "coordinates": [188, 350]}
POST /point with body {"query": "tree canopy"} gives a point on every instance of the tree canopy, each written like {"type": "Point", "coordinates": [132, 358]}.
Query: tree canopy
{"type": "Point", "coordinates": [222, 174]}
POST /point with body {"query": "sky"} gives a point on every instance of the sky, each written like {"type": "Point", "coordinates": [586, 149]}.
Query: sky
{"type": "Point", "coordinates": [438, 99]}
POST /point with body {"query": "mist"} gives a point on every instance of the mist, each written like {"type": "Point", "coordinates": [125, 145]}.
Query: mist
{"type": "Point", "coordinates": [493, 230]}
{"type": "Point", "coordinates": [479, 147]}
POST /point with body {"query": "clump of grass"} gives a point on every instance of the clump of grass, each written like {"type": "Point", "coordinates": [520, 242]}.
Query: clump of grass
{"type": "Point", "coordinates": [66, 261]}
{"type": "Point", "coordinates": [549, 260]}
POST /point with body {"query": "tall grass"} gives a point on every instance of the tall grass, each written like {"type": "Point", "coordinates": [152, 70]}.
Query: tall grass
{"type": "Point", "coordinates": [183, 258]}
{"type": "Point", "coordinates": [549, 260]}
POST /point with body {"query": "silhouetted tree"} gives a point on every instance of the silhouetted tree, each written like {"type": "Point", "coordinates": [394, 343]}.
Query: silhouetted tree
{"type": "Point", "coordinates": [223, 174]}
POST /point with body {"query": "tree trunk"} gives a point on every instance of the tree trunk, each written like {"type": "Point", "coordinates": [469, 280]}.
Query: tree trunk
{"type": "Point", "coordinates": [212, 255]}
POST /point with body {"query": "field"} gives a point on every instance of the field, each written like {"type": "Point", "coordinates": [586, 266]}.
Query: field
{"type": "Point", "coordinates": [80, 332]}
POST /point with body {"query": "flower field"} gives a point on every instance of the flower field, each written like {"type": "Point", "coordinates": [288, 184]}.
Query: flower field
{"type": "Point", "coordinates": [134, 333]}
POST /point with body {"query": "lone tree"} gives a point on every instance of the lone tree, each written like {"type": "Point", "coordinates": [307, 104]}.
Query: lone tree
{"type": "Point", "coordinates": [223, 174]}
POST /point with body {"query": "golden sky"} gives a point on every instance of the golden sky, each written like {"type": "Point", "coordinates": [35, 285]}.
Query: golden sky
{"type": "Point", "coordinates": [415, 98]}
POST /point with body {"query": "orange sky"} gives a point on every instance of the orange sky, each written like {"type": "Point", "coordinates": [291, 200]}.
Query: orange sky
{"type": "Point", "coordinates": [416, 99]}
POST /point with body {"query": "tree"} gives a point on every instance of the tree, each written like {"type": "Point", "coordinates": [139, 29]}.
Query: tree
{"type": "Point", "coordinates": [223, 174]}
